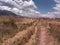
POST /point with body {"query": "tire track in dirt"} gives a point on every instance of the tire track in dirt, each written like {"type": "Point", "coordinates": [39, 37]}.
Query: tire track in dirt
{"type": "Point", "coordinates": [42, 35]}
{"type": "Point", "coordinates": [20, 37]}
{"type": "Point", "coordinates": [32, 40]}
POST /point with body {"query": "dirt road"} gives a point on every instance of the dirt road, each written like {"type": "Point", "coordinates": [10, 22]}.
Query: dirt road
{"type": "Point", "coordinates": [22, 37]}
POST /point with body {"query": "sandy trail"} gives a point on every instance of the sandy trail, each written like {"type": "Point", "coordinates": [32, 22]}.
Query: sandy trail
{"type": "Point", "coordinates": [21, 37]}
{"type": "Point", "coordinates": [42, 35]}
{"type": "Point", "coordinates": [32, 40]}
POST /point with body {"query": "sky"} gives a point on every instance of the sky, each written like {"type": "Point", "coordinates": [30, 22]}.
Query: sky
{"type": "Point", "coordinates": [45, 6]}
{"type": "Point", "coordinates": [32, 8]}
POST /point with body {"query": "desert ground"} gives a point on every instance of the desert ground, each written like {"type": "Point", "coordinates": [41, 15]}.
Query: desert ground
{"type": "Point", "coordinates": [15, 30]}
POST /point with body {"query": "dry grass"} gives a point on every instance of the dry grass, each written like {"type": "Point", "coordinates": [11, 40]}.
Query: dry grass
{"type": "Point", "coordinates": [23, 31]}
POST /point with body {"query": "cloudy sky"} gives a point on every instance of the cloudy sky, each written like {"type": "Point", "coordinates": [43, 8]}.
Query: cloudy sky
{"type": "Point", "coordinates": [45, 6]}
{"type": "Point", "coordinates": [32, 8]}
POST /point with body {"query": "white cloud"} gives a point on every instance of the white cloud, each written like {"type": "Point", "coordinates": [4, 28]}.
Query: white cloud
{"type": "Point", "coordinates": [49, 15]}
{"type": "Point", "coordinates": [58, 1]}
{"type": "Point", "coordinates": [55, 14]}
{"type": "Point", "coordinates": [26, 8]}
{"type": "Point", "coordinates": [57, 8]}
{"type": "Point", "coordinates": [4, 8]}
{"type": "Point", "coordinates": [20, 7]}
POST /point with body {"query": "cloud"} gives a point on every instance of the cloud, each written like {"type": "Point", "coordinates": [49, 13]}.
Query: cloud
{"type": "Point", "coordinates": [58, 1]}
{"type": "Point", "coordinates": [27, 8]}
{"type": "Point", "coordinates": [4, 8]}
{"type": "Point", "coordinates": [57, 8]}
{"type": "Point", "coordinates": [20, 7]}
{"type": "Point", "coordinates": [56, 13]}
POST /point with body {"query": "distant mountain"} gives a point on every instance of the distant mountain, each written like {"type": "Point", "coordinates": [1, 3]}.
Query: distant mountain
{"type": "Point", "coordinates": [5, 12]}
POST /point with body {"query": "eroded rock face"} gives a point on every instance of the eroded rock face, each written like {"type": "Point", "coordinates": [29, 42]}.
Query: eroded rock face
{"type": "Point", "coordinates": [15, 30]}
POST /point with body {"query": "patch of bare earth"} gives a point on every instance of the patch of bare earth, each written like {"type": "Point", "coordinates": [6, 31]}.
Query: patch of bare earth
{"type": "Point", "coordinates": [25, 37]}
{"type": "Point", "coordinates": [29, 31]}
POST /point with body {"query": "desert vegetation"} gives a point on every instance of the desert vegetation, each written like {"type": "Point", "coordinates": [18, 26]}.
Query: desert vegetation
{"type": "Point", "coordinates": [16, 30]}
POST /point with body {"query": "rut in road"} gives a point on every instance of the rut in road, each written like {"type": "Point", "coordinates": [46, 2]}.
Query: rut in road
{"type": "Point", "coordinates": [32, 40]}
{"type": "Point", "coordinates": [21, 37]}
{"type": "Point", "coordinates": [42, 34]}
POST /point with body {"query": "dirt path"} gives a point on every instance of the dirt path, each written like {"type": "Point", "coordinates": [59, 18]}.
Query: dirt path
{"type": "Point", "coordinates": [21, 37]}
{"type": "Point", "coordinates": [32, 40]}
{"type": "Point", "coordinates": [42, 35]}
